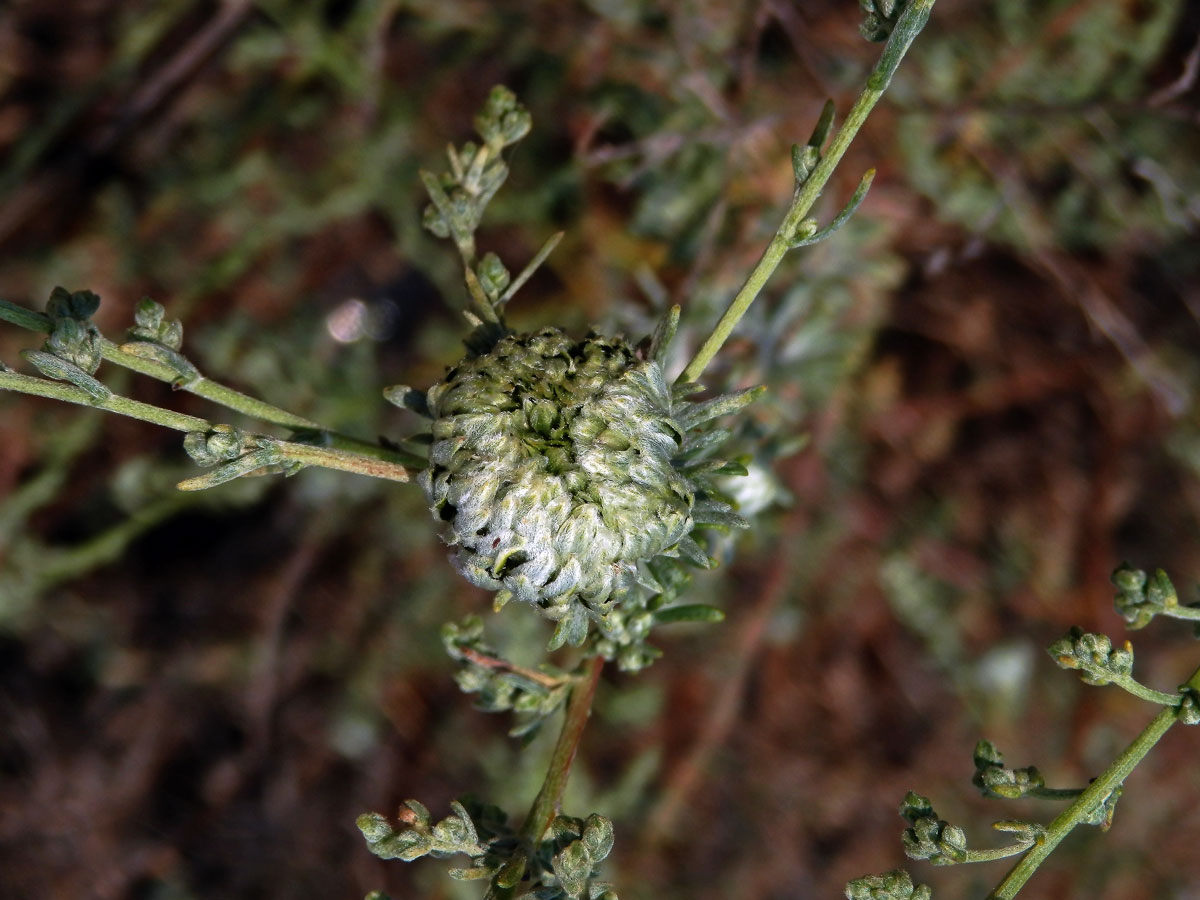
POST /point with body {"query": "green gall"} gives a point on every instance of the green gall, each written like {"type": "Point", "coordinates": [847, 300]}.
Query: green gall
{"type": "Point", "coordinates": [553, 465]}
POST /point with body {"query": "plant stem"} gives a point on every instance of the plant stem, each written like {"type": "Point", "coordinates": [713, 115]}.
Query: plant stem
{"type": "Point", "coordinates": [911, 21]}
{"type": "Point", "coordinates": [342, 460]}
{"type": "Point", "coordinates": [1045, 793]}
{"type": "Point", "coordinates": [1149, 694]}
{"type": "Point", "coordinates": [68, 393]}
{"type": "Point", "coordinates": [1191, 613]}
{"type": "Point", "coordinates": [548, 682]}
{"type": "Point", "coordinates": [579, 707]}
{"type": "Point", "coordinates": [977, 856]}
{"type": "Point", "coordinates": [391, 466]}
{"type": "Point", "coordinates": [1093, 795]}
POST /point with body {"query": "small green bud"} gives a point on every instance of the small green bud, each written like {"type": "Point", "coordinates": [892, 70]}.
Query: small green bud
{"type": "Point", "coordinates": [1189, 705]}
{"type": "Point", "coordinates": [804, 160]}
{"type": "Point", "coordinates": [64, 304]}
{"type": "Point", "coordinates": [1160, 592]}
{"type": "Point", "coordinates": [986, 754]}
{"type": "Point", "coordinates": [151, 324]}
{"type": "Point", "coordinates": [1127, 578]}
{"type": "Point", "coordinates": [881, 16]}
{"type": "Point", "coordinates": [895, 885]}
{"type": "Point", "coordinates": [929, 837]}
{"type": "Point", "coordinates": [914, 807]}
{"type": "Point", "coordinates": [503, 120]}
{"type": "Point", "coordinates": [573, 868]}
{"type": "Point", "coordinates": [598, 836]}
{"type": "Point", "coordinates": [805, 230]}
{"type": "Point", "coordinates": [1140, 598]}
{"type": "Point", "coordinates": [374, 827]}
{"type": "Point", "coordinates": [513, 871]}
{"type": "Point", "coordinates": [74, 338]}
{"type": "Point", "coordinates": [493, 276]}
{"type": "Point", "coordinates": [220, 444]}
{"type": "Point", "coordinates": [1094, 655]}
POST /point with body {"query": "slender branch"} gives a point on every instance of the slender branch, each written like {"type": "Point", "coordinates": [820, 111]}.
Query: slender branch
{"type": "Point", "coordinates": [549, 682]}
{"type": "Point", "coordinates": [1045, 793]}
{"type": "Point", "coordinates": [530, 268]}
{"type": "Point", "coordinates": [1093, 795]}
{"type": "Point", "coordinates": [909, 25]}
{"type": "Point", "coordinates": [68, 393]}
{"type": "Point", "coordinates": [978, 856]}
{"type": "Point", "coordinates": [274, 454]}
{"type": "Point", "coordinates": [1135, 687]}
{"type": "Point", "coordinates": [579, 707]}
{"type": "Point", "coordinates": [1191, 613]}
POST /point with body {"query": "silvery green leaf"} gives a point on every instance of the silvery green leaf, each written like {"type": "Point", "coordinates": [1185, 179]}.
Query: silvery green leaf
{"type": "Point", "coordinates": [714, 512]}
{"type": "Point", "coordinates": [695, 612]}
{"type": "Point", "coordinates": [664, 332]}
{"type": "Point", "coordinates": [60, 369]}
{"type": "Point", "coordinates": [692, 552]}
{"type": "Point", "coordinates": [697, 444]}
{"type": "Point", "coordinates": [695, 414]}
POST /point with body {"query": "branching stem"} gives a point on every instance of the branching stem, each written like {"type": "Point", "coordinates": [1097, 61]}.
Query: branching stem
{"type": "Point", "coordinates": [330, 441]}
{"type": "Point", "coordinates": [68, 393]}
{"type": "Point", "coordinates": [911, 21]}
{"type": "Point", "coordinates": [381, 463]}
{"type": "Point", "coordinates": [1091, 797]}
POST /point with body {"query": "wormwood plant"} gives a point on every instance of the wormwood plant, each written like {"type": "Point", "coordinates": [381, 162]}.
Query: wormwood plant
{"type": "Point", "coordinates": [574, 476]}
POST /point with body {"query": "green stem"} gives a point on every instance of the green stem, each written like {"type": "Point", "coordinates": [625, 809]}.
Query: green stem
{"type": "Point", "coordinates": [579, 707]}
{"type": "Point", "coordinates": [342, 460]}
{"type": "Point", "coordinates": [977, 856]}
{"type": "Point", "coordinates": [1092, 796]}
{"type": "Point", "coordinates": [1045, 793]}
{"type": "Point", "coordinates": [1191, 613]}
{"type": "Point", "coordinates": [1135, 687]}
{"type": "Point", "coordinates": [392, 467]}
{"type": "Point", "coordinates": [68, 393]}
{"type": "Point", "coordinates": [909, 25]}
{"type": "Point", "coordinates": [548, 682]}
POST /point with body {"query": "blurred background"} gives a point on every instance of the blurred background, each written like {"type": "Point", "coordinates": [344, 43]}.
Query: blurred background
{"type": "Point", "coordinates": [996, 366]}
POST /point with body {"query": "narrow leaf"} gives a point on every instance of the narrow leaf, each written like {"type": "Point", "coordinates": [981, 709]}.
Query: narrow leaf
{"type": "Point", "coordinates": [693, 612]}
{"type": "Point", "coordinates": [698, 413]}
